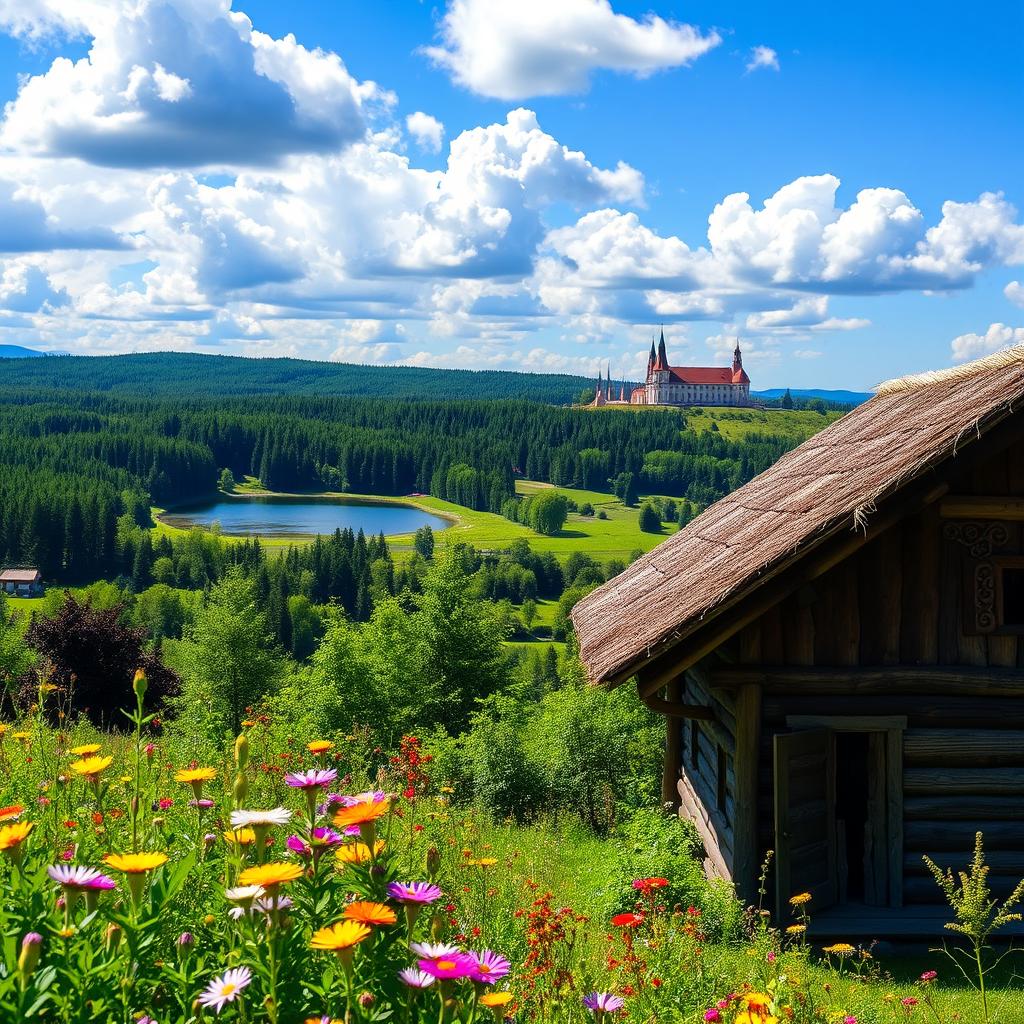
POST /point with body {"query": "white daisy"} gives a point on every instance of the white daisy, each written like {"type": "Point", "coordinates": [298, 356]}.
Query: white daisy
{"type": "Point", "coordinates": [244, 893]}
{"type": "Point", "coordinates": [260, 819]}
{"type": "Point", "coordinates": [226, 988]}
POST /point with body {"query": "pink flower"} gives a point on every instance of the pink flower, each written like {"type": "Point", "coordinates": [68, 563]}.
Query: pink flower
{"type": "Point", "coordinates": [226, 988]}
{"type": "Point", "coordinates": [490, 967]}
{"type": "Point", "coordinates": [452, 965]}
{"type": "Point", "coordinates": [79, 876]}
{"type": "Point", "coordinates": [315, 778]}
{"type": "Point", "coordinates": [929, 976]}
{"type": "Point", "coordinates": [414, 892]}
{"type": "Point", "coordinates": [603, 1002]}
{"type": "Point", "coordinates": [712, 1016]}
{"type": "Point", "coordinates": [298, 845]}
{"type": "Point", "coordinates": [165, 803]}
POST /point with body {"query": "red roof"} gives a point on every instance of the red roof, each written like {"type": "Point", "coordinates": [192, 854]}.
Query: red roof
{"type": "Point", "coordinates": [707, 375]}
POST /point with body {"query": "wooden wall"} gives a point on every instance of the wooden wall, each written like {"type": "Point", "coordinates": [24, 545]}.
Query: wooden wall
{"type": "Point", "coordinates": [900, 603]}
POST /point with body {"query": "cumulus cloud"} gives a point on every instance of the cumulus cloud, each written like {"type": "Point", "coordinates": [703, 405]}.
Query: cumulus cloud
{"type": "Point", "coordinates": [998, 336]}
{"type": "Point", "coordinates": [1014, 291]}
{"type": "Point", "coordinates": [513, 51]}
{"type": "Point", "coordinates": [426, 130]}
{"type": "Point", "coordinates": [178, 83]}
{"type": "Point", "coordinates": [25, 226]}
{"type": "Point", "coordinates": [763, 57]}
{"type": "Point", "coordinates": [26, 288]}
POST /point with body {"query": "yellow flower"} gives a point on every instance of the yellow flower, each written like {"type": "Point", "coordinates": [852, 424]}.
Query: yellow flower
{"type": "Point", "coordinates": [195, 775]}
{"type": "Point", "coordinates": [319, 746]}
{"type": "Point", "coordinates": [13, 835]}
{"type": "Point", "coordinates": [796, 929]}
{"type": "Point", "coordinates": [753, 1017]}
{"type": "Point", "coordinates": [86, 749]}
{"type": "Point", "coordinates": [357, 853]}
{"type": "Point", "coordinates": [483, 862]}
{"type": "Point", "coordinates": [24, 737]}
{"type": "Point", "coordinates": [368, 912]}
{"type": "Point", "coordinates": [840, 949]}
{"type": "Point", "coordinates": [135, 863]}
{"type": "Point", "coordinates": [800, 899]}
{"type": "Point", "coordinates": [340, 936]}
{"type": "Point", "coordinates": [11, 813]}
{"type": "Point", "coordinates": [242, 836]}
{"type": "Point", "coordinates": [495, 999]}
{"type": "Point", "coordinates": [270, 876]}
{"type": "Point", "coordinates": [92, 768]}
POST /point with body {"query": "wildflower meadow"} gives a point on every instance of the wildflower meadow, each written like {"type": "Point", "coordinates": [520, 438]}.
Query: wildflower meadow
{"type": "Point", "coordinates": [153, 878]}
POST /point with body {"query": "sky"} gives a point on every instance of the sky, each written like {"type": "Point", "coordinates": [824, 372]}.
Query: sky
{"type": "Point", "coordinates": [538, 185]}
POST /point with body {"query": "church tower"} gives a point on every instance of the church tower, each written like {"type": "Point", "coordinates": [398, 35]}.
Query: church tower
{"type": "Point", "coordinates": [737, 359]}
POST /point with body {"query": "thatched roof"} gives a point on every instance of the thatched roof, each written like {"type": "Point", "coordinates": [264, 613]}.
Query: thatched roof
{"type": "Point", "coordinates": [831, 483]}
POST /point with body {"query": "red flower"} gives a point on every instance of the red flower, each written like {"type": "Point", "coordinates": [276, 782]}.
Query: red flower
{"type": "Point", "coordinates": [647, 884]}
{"type": "Point", "coordinates": [627, 920]}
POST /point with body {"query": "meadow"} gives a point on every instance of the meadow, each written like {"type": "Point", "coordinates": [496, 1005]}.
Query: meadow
{"type": "Point", "coordinates": [154, 875]}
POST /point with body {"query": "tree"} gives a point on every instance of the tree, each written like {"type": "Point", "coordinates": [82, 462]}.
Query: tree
{"type": "Point", "coordinates": [227, 481]}
{"type": "Point", "coordinates": [423, 542]}
{"type": "Point", "coordinates": [585, 397]}
{"type": "Point", "coordinates": [649, 521]}
{"type": "Point", "coordinates": [548, 511]}
{"type": "Point", "coordinates": [528, 612]}
{"type": "Point", "coordinates": [787, 400]}
{"type": "Point", "coordinates": [94, 656]}
{"type": "Point", "coordinates": [624, 488]}
{"type": "Point", "coordinates": [228, 657]}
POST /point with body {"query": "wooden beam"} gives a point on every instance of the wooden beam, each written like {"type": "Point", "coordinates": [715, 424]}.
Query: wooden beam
{"type": "Point", "coordinates": [746, 763]}
{"type": "Point", "coordinates": [819, 557]}
{"type": "Point", "coordinates": [948, 680]}
{"type": "Point", "coordinates": [676, 708]}
{"type": "Point", "coordinates": [981, 507]}
{"type": "Point", "coordinates": [673, 762]}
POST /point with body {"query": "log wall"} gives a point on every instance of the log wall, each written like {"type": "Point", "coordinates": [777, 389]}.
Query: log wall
{"type": "Point", "coordinates": [905, 601]}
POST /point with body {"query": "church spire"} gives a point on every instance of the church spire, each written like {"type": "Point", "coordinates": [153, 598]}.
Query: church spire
{"type": "Point", "coordinates": [662, 363]}
{"type": "Point", "coordinates": [737, 358]}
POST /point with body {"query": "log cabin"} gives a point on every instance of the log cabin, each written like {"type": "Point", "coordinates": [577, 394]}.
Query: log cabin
{"type": "Point", "coordinates": [838, 649]}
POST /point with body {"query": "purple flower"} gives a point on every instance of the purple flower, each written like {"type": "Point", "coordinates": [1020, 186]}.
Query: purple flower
{"type": "Point", "coordinates": [203, 805]}
{"type": "Point", "coordinates": [451, 965]}
{"type": "Point", "coordinates": [78, 876]}
{"type": "Point", "coordinates": [315, 778]}
{"type": "Point", "coordinates": [323, 836]}
{"type": "Point", "coordinates": [414, 892]}
{"type": "Point", "coordinates": [602, 1002]}
{"type": "Point", "coordinates": [490, 967]}
{"type": "Point", "coordinates": [415, 978]}
{"type": "Point", "coordinates": [298, 845]}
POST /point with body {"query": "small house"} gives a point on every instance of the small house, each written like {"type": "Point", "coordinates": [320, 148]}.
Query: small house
{"type": "Point", "coordinates": [838, 649]}
{"type": "Point", "coordinates": [21, 582]}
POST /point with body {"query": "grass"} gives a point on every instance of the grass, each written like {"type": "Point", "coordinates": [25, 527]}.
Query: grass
{"type": "Point", "coordinates": [795, 425]}
{"type": "Point", "coordinates": [615, 537]}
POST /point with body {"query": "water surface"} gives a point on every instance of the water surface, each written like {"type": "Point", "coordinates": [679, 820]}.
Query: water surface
{"type": "Point", "coordinates": [257, 516]}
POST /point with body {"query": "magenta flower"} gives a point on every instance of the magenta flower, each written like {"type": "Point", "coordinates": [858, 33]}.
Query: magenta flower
{"type": "Point", "coordinates": [451, 966]}
{"type": "Point", "coordinates": [490, 967]}
{"type": "Point", "coordinates": [414, 892]}
{"type": "Point", "coordinates": [323, 836]}
{"type": "Point", "coordinates": [203, 805]}
{"type": "Point", "coordinates": [415, 978]}
{"type": "Point", "coordinates": [603, 1002]}
{"type": "Point", "coordinates": [298, 845]}
{"type": "Point", "coordinates": [712, 1016]}
{"type": "Point", "coordinates": [78, 876]}
{"type": "Point", "coordinates": [315, 778]}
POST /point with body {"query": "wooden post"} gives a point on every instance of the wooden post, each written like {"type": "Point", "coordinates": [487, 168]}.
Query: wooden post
{"type": "Point", "coordinates": [673, 748]}
{"type": "Point", "coordinates": [748, 747]}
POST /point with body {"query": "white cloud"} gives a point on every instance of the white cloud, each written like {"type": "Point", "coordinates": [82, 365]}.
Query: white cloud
{"type": "Point", "coordinates": [426, 130]}
{"type": "Point", "coordinates": [1014, 291]}
{"type": "Point", "coordinates": [26, 226]}
{"type": "Point", "coordinates": [26, 288]}
{"type": "Point", "coordinates": [763, 57]}
{"type": "Point", "coordinates": [178, 83]}
{"type": "Point", "coordinates": [998, 336]}
{"type": "Point", "coordinates": [529, 48]}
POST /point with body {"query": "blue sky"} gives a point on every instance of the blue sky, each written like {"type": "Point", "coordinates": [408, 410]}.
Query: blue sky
{"type": "Point", "coordinates": [533, 186]}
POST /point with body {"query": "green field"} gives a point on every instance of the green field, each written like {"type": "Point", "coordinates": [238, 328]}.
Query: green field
{"type": "Point", "coordinates": [795, 425]}
{"type": "Point", "coordinates": [617, 537]}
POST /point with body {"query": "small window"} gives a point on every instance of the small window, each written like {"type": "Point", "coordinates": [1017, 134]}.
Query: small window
{"type": "Point", "coordinates": [1013, 596]}
{"type": "Point", "coordinates": [722, 780]}
{"type": "Point", "coordinates": [694, 740]}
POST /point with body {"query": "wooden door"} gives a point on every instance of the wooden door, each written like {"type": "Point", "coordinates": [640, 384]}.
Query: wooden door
{"type": "Point", "coordinates": [805, 819]}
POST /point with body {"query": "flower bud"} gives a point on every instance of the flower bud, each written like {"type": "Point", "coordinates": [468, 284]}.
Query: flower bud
{"type": "Point", "coordinates": [140, 684]}
{"type": "Point", "coordinates": [28, 960]}
{"type": "Point", "coordinates": [366, 999]}
{"type": "Point", "coordinates": [433, 862]}
{"type": "Point", "coordinates": [242, 751]}
{"type": "Point", "coordinates": [208, 840]}
{"type": "Point", "coordinates": [240, 790]}
{"type": "Point", "coordinates": [112, 937]}
{"type": "Point", "coordinates": [149, 750]}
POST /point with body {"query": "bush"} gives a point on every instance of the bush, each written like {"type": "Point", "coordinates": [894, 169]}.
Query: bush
{"type": "Point", "coordinates": [649, 520]}
{"type": "Point", "coordinates": [547, 512]}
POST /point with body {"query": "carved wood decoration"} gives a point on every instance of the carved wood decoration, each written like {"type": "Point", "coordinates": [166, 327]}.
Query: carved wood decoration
{"type": "Point", "coordinates": [979, 540]}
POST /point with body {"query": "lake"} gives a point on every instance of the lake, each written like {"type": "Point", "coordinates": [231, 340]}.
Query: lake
{"type": "Point", "coordinates": [301, 516]}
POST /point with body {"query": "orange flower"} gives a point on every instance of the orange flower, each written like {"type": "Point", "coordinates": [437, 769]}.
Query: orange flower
{"type": "Point", "coordinates": [135, 863]}
{"type": "Point", "coordinates": [12, 836]}
{"type": "Point", "coordinates": [361, 813]}
{"type": "Point", "coordinates": [319, 746]}
{"type": "Point", "coordinates": [11, 813]}
{"type": "Point", "coordinates": [368, 912]}
{"type": "Point", "coordinates": [495, 999]}
{"type": "Point", "coordinates": [339, 937]}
